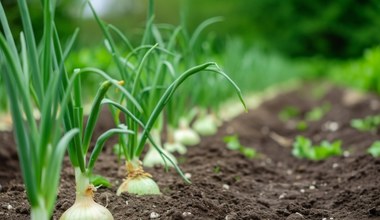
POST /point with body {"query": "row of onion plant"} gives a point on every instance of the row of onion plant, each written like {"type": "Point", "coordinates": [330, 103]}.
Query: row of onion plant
{"type": "Point", "coordinates": [36, 79]}
{"type": "Point", "coordinates": [151, 72]}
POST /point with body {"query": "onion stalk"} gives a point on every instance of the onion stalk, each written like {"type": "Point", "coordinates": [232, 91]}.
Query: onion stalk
{"type": "Point", "coordinates": [84, 206]}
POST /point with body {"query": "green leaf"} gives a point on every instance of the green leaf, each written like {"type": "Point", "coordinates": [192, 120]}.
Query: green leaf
{"type": "Point", "coordinates": [369, 123]}
{"type": "Point", "coordinates": [248, 152]}
{"type": "Point", "coordinates": [301, 126]}
{"type": "Point", "coordinates": [232, 142]}
{"type": "Point", "coordinates": [289, 112]}
{"type": "Point", "coordinates": [100, 181]}
{"type": "Point", "coordinates": [374, 150]}
{"type": "Point", "coordinates": [318, 113]}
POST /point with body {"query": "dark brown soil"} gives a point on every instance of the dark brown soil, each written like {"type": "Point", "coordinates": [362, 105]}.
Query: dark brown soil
{"type": "Point", "coordinates": [226, 185]}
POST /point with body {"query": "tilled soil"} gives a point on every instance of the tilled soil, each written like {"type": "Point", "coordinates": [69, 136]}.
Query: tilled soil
{"type": "Point", "coordinates": [226, 184]}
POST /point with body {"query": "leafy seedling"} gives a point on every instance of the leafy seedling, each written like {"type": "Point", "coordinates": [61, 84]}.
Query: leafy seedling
{"type": "Point", "coordinates": [318, 113]}
{"type": "Point", "coordinates": [301, 126]}
{"type": "Point", "coordinates": [216, 169]}
{"type": "Point", "coordinates": [288, 113]}
{"type": "Point", "coordinates": [369, 123]}
{"type": "Point", "coordinates": [303, 148]}
{"type": "Point", "coordinates": [374, 150]}
{"type": "Point", "coordinates": [233, 143]}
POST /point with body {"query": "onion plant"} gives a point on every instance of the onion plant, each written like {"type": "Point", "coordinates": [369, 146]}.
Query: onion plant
{"type": "Point", "coordinates": [151, 79]}
{"type": "Point", "coordinates": [36, 78]}
{"type": "Point", "coordinates": [32, 77]}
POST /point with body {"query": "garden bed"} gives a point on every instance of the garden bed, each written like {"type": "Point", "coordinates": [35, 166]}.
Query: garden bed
{"type": "Point", "coordinates": [226, 184]}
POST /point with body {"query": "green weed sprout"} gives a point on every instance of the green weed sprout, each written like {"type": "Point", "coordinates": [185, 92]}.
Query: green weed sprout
{"type": "Point", "coordinates": [318, 112]}
{"type": "Point", "coordinates": [303, 148]}
{"type": "Point", "coordinates": [369, 123]}
{"type": "Point", "coordinates": [289, 112]}
{"type": "Point", "coordinates": [147, 72]}
{"type": "Point", "coordinates": [233, 143]}
{"type": "Point", "coordinates": [374, 149]}
{"type": "Point", "coordinates": [33, 78]}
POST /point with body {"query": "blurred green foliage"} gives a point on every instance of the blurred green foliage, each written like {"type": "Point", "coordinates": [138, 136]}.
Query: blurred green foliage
{"type": "Point", "coordinates": [370, 123]}
{"type": "Point", "coordinates": [340, 29]}
{"type": "Point", "coordinates": [374, 149]}
{"type": "Point", "coordinates": [64, 22]}
{"type": "Point", "coordinates": [362, 73]}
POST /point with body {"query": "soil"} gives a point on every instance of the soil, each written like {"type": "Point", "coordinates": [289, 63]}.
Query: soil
{"type": "Point", "coordinates": [226, 184]}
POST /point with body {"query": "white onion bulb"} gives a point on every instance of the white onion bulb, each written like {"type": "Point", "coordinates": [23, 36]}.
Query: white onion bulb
{"type": "Point", "coordinates": [138, 181]}
{"type": "Point", "coordinates": [206, 126]}
{"type": "Point", "coordinates": [86, 208]}
{"type": "Point", "coordinates": [153, 158]}
{"type": "Point", "coordinates": [186, 136]}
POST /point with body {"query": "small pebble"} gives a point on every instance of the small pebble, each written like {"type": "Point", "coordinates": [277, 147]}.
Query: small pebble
{"type": "Point", "coordinates": [312, 187]}
{"type": "Point", "coordinates": [126, 202]}
{"type": "Point", "coordinates": [335, 165]}
{"type": "Point", "coordinates": [154, 215]}
{"type": "Point", "coordinates": [185, 214]}
{"type": "Point", "coordinates": [231, 216]}
{"type": "Point", "coordinates": [289, 172]}
{"type": "Point", "coordinates": [1, 187]}
{"type": "Point", "coordinates": [9, 207]}
{"type": "Point", "coordinates": [188, 175]}
{"type": "Point", "coordinates": [295, 216]}
{"type": "Point", "coordinates": [282, 196]}
{"type": "Point", "coordinates": [331, 126]}
{"type": "Point", "coordinates": [154, 206]}
{"type": "Point", "coordinates": [225, 186]}
{"type": "Point", "coordinates": [346, 153]}
{"type": "Point", "coordinates": [302, 190]}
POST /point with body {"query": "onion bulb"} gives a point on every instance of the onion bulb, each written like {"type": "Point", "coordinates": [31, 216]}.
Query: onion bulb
{"type": "Point", "coordinates": [153, 157]}
{"type": "Point", "coordinates": [175, 147]}
{"type": "Point", "coordinates": [206, 125]}
{"type": "Point", "coordinates": [138, 181]}
{"type": "Point", "coordinates": [85, 208]}
{"type": "Point", "coordinates": [186, 136]}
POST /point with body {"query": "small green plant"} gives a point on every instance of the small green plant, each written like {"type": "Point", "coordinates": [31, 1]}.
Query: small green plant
{"type": "Point", "coordinates": [301, 126]}
{"type": "Point", "coordinates": [216, 169]}
{"type": "Point", "coordinates": [303, 148]}
{"type": "Point", "coordinates": [233, 143]}
{"type": "Point", "coordinates": [318, 113]}
{"type": "Point", "coordinates": [289, 112]}
{"type": "Point", "coordinates": [369, 123]}
{"type": "Point", "coordinates": [374, 149]}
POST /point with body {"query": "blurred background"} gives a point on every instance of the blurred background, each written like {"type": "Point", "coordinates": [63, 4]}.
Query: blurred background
{"type": "Point", "coordinates": [267, 41]}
